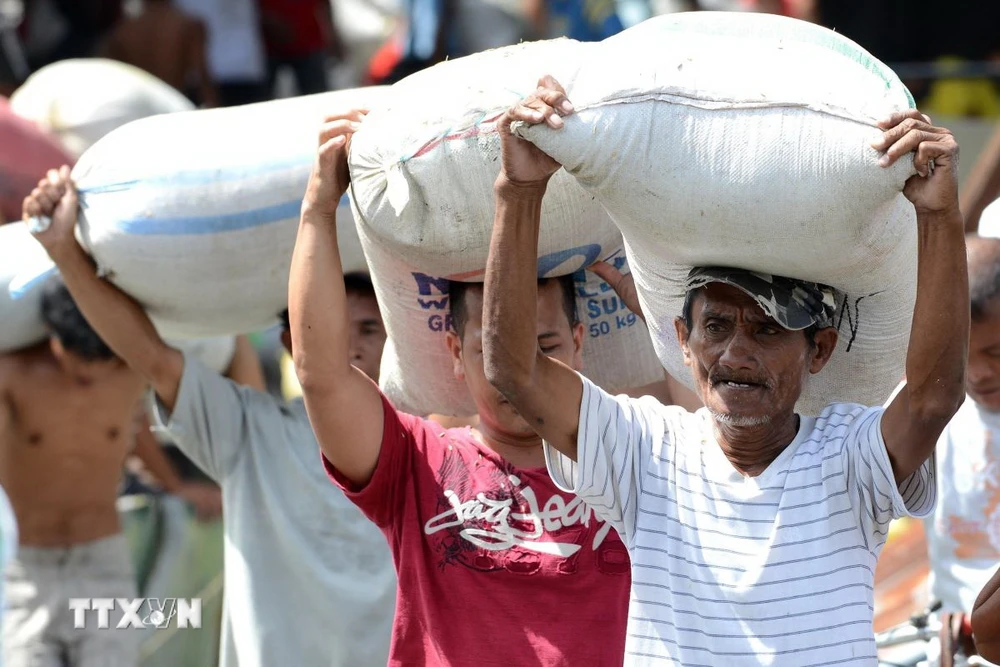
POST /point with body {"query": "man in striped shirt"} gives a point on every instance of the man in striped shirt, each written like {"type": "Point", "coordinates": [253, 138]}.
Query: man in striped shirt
{"type": "Point", "coordinates": [753, 531]}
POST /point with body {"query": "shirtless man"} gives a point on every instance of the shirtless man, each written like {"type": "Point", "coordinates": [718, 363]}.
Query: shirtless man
{"type": "Point", "coordinates": [67, 409]}
{"type": "Point", "coordinates": [168, 44]}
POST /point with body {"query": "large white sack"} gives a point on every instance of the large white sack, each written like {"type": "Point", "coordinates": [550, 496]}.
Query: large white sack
{"type": "Point", "coordinates": [199, 225]}
{"type": "Point", "coordinates": [20, 319]}
{"type": "Point", "coordinates": [423, 166]}
{"type": "Point", "coordinates": [82, 100]}
{"type": "Point", "coordinates": [424, 162]}
{"type": "Point", "coordinates": [416, 372]}
{"type": "Point", "coordinates": [744, 140]}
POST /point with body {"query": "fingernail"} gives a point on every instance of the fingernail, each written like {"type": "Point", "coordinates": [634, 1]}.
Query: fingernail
{"type": "Point", "coordinates": [566, 106]}
{"type": "Point", "coordinates": [556, 120]}
{"type": "Point", "coordinates": [537, 115]}
{"type": "Point", "coordinates": [884, 161]}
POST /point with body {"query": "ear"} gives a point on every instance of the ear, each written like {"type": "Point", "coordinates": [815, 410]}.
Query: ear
{"type": "Point", "coordinates": [578, 332]}
{"type": "Point", "coordinates": [682, 337]}
{"type": "Point", "coordinates": [454, 344]}
{"type": "Point", "coordinates": [826, 343]}
{"type": "Point", "coordinates": [56, 347]}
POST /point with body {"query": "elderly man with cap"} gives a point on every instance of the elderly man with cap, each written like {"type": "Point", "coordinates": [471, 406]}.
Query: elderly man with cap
{"type": "Point", "coordinates": [753, 531]}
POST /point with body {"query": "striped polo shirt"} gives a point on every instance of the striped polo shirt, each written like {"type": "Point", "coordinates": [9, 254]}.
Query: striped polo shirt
{"type": "Point", "coordinates": [776, 569]}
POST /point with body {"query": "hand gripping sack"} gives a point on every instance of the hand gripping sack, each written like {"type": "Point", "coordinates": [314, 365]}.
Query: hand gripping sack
{"type": "Point", "coordinates": [20, 319]}
{"type": "Point", "coordinates": [744, 140]}
{"type": "Point", "coordinates": [82, 100]}
{"type": "Point", "coordinates": [27, 154]}
{"type": "Point", "coordinates": [199, 225]}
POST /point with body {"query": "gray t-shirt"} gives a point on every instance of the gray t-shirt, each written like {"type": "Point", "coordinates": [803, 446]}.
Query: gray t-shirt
{"type": "Point", "coordinates": [309, 580]}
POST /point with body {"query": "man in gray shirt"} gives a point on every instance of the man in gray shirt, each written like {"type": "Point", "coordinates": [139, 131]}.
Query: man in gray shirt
{"type": "Point", "coordinates": [309, 580]}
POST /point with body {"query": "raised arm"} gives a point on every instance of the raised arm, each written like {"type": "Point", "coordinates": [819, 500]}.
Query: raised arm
{"type": "Point", "coordinates": [344, 406]}
{"type": "Point", "coordinates": [939, 334]}
{"type": "Point", "coordinates": [544, 391]}
{"type": "Point", "coordinates": [120, 322]}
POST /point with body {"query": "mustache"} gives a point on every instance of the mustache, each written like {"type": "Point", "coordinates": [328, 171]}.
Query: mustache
{"type": "Point", "coordinates": [740, 378]}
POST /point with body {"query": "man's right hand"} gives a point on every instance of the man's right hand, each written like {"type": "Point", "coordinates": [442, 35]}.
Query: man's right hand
{"type": "Point", "coordinates": [54, 198]}
{"type": "Point", "coordinates": [330, 177]}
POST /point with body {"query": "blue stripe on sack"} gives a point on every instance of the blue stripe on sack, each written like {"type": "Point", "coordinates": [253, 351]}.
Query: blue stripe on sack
{"type": "Point", "coordinates": [204, 177]}
{"type": "Point", "coordinates": [214, 224]}
{"type": "Point", "coordinates": [211, 224]}
{"type": "Point", "coordinates": [23, 285]}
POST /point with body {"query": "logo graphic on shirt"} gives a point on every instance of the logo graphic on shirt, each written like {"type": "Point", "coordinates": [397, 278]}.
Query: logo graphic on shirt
{"type": "Point", "coordinates": [476, 525]}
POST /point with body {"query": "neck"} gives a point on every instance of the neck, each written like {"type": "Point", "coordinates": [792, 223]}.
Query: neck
{"type": "Point", "coordinates": [751, 449]}
{"type": "Point", "coordinates": [521, 451]}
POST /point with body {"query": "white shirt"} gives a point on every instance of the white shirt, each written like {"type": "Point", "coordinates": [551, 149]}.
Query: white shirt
{"type": "Point", "coordinates": [963, 535]}
{"type": "Point", "coordinates": [235, 46]}
{"type": "Point", "coordinates": [309, 580]}
{"type": "Point", "coordinates": [732, 570]}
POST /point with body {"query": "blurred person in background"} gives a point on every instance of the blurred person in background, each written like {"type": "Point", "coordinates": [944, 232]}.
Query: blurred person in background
{"type": "Point", "coordinates": [55, 30]}
{"type": "Point", "coordinates": [302, 36]}
{"type": "Point", "coordinates": [963, 533]}
{"type": "Point", "coordinates": [236, 60]}
{"type": "Point", "coordinates": [67, 419]}
{"type": "Point", "coordinates": [169, 44]}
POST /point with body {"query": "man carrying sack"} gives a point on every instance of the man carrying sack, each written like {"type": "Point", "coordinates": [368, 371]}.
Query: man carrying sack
{"type": "Point", "coordinates": [753, 531]}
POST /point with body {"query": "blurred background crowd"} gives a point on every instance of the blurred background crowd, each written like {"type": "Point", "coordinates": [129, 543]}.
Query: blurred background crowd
{"type": "Point", "coordinates": [233, 52]}
{"type": "Point", "coordinates": [227, 52]}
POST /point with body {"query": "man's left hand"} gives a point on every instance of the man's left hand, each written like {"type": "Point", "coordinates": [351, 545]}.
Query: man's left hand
{"type": "Point", "coordinates": [523, 162]}
{"type": "Point", "coordinates": [934, 190]}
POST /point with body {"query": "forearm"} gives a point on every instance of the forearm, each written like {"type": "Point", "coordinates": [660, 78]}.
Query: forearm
{"type": "Point", "coordinates": [122, 324]}
{"type": "Point", "coordinates": [936, 358]}
{"type": "Point", "coordinates": [317, 305]}
{"type": "Point", "coordinates": [510, 293]}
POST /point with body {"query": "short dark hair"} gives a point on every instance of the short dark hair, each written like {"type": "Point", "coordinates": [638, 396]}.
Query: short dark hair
{"type": "Point", "coordinates": [984, 274]}
{"type": "Point", "coordinates": [457, 292]}
{"type": "Point", "coordinates": [360, 284]}
{"type": "Point", "coordinates": [69, 326]}
{"type": "Point", "coordinates": [357, 283]}
{"type": "Point", "coordinates": [688, 317]}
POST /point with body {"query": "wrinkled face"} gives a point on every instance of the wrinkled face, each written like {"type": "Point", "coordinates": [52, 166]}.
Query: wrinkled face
{"type": "Point", "coordinates": [748, 368]}
{"type": "Point", "coordinates": [367, 334]}
{"type": "Point", "coordinates": [983, 374]}
{"type": "Point", "coordinates": [83, 371]}
{"type": "Point", "coordinates": [557, 338]}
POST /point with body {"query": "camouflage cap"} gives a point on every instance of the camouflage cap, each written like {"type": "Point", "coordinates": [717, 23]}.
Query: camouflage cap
{"type": "Point", "coordinates": [794, 304]}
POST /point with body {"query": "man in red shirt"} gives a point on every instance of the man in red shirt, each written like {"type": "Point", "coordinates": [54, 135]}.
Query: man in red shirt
{"type": "Point", "coordinates": [491, 557]}
{"type": "Point", "coordinates": [299, 34]}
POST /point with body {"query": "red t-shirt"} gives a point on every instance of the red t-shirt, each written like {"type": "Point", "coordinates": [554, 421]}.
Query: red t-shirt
{"type": "Point", "coordinates": [496, 566]}
{"type": "Point", "coordinates": [302, 18]}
